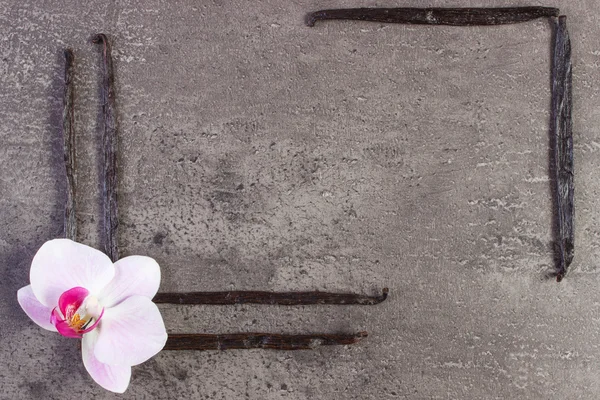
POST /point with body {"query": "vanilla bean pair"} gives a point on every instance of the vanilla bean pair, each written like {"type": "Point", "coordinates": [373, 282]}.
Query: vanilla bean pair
{"type": "Point", "coordinates": [561, 124]}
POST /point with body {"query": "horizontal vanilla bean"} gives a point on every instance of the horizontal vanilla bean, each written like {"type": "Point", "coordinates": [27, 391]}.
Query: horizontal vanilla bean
{"type": "Point", "coordinates": [275, 298]}
{"type": "Point", "coordinates": [436, 16]}
{"type": "Point", "coordinates": [109, 143]}
{"type": "Point", "coordinates": [562, 133]}
{"type": "Point", "coordinates": [258, 341]}
{"type": "Point", "coordinates": [70, 224]}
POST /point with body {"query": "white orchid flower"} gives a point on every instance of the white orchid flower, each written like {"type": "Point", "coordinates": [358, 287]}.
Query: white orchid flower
{"type": "Point", "coordinates": [78, 292]}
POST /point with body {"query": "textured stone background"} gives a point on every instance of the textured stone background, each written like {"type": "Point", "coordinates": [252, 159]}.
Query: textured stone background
{"type": "Point", "coordinates": [257, 153]}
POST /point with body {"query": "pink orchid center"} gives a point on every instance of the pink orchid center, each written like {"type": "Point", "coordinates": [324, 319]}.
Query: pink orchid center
{"type": "Point", "coordinates": [77, 313]}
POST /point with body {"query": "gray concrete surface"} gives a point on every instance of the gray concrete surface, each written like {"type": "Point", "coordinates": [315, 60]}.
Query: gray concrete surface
{"type": "Point", "coordinates": [261, 154]}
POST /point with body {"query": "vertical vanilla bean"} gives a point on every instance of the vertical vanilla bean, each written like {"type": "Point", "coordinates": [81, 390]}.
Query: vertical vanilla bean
{"type": "Point", "coordinates": [192, 341]}
{"type": "Point", "coordinates": [109, 142]}
{"type": "Point", "coordinates": [70, 224]}
{"type": "Point", "coordinates": [562, 133]}
{"type": "Point", "coordinates": [435, 16]}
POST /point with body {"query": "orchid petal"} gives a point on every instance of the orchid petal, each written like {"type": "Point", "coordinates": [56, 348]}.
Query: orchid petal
{"type": "Point", "coordinates": [134, 275]}
{"type": "Point", "coordinates": [62, 264]}
{"type": "Point", "coordinates": [66, 330]}
{"type": "Point", "coordinates": [39, 313]}
{"type": "Point", "coordinates": [71, 300]}
{"type": "Point", "coordinates": [130, 333]}
{"type": "Point", "coordinates": [111, 377]}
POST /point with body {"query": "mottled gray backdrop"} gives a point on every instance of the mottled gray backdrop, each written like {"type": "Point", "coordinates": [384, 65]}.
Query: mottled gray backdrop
{"type": "Point", "coordinates": [258, 153]}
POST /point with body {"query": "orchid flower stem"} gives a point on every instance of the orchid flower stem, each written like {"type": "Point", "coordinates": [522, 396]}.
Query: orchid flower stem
{"type": "Point", "coordinates": [70, 225]}
{"type": "Point", "coordinates": [109, 141]}
{"type": "Point", "coordinates": [258, 341]}
{"type": "Point", "coordinates": [436, 16]}
{"type": "Point", "coordinates": [273, 298]}
{"type": "Point", "coordinates": [561, 127]}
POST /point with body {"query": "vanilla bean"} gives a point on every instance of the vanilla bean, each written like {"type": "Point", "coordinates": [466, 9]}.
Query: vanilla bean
{"type": "Point", "coordinates": [436, 16]}
{"type": "Point", "coordinates": [70, 224]}
{"type": "Point", "coordinates": [258, 341]}
{"type": "Point", "coordinates": [273, 298]}
{"type": "Point", "coordinates": [109, 143]}
{"type": "Point", "coordinates": [562, 133]}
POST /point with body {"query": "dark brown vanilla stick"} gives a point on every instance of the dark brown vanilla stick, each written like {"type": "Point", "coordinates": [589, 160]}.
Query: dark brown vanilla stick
{"type": "Point", "coordinates": [562, 133]}
{"type": "Point", "coordinates": [255, 297]}
{"type": "Point", "coordinates": [109, 141]}
{"type": "Point", "coordinates": [436, 16]}
{"type": "Point", "coordinates": [69, 148]}
{"type": "Point", "coordinates": [258, 341]}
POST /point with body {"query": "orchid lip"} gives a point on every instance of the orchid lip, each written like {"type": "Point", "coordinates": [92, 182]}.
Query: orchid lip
{"type": "Point", "coordinates": [77, 313]}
